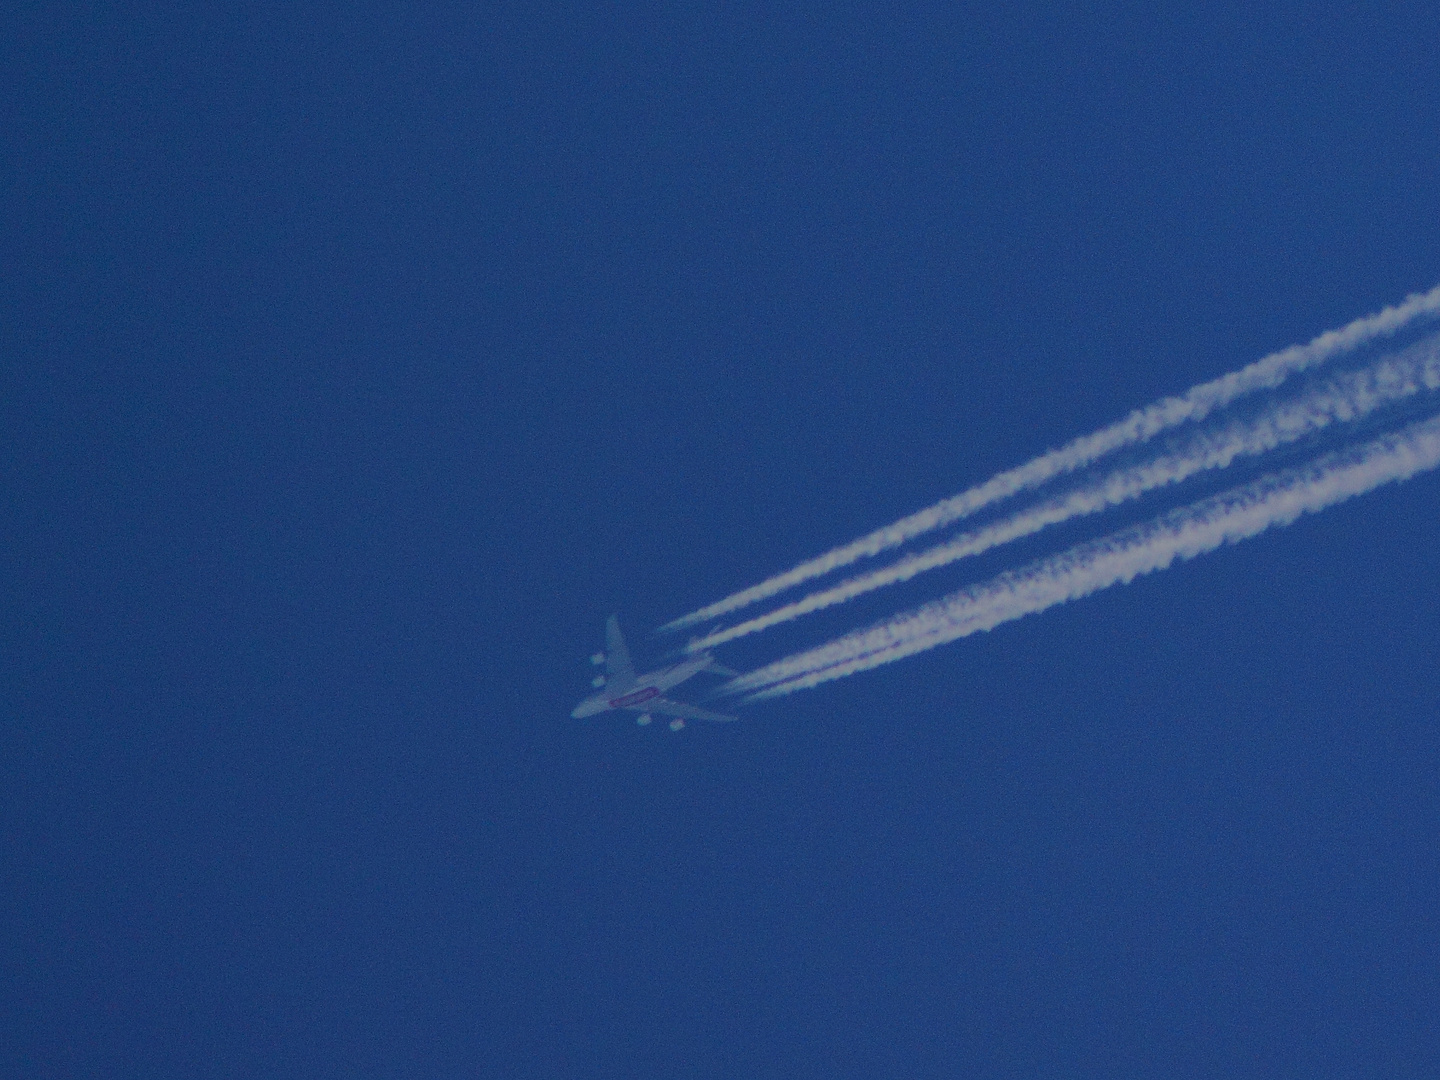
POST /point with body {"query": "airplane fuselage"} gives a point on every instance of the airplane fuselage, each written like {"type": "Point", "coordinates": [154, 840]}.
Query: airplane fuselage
{"type": "Point", "coordinates": [645, 689]}
{"type": "Point", "coordinates": [635, 697]}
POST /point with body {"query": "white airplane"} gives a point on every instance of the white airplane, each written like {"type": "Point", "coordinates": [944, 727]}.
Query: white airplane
{"type": "Point", "coordinates": [622, 689]}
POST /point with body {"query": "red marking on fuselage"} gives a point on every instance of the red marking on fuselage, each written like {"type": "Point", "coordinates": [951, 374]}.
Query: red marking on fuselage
{"type": "Point", "coordinates": [634, 699]}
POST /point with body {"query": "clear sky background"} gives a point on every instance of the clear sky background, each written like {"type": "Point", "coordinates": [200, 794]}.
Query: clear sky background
{"type": "Point", "coordinates": [357, 359]}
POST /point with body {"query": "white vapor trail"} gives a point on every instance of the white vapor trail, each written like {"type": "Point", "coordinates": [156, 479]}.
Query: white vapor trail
{"type": "Point", "coordinates": [1139, 426]}
{"type": "Point", "coordinates": [1274, 500]}
{"type": "Point", "coordinates": [1342, 399]}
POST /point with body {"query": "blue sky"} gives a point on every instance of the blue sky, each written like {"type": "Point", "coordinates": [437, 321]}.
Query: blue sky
{"type": "Point", "coordinates": [359, 360]}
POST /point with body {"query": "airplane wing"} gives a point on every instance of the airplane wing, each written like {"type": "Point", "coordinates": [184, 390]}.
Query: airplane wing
{"type": "Point", "coordinates": [679, 708]}
{"type": "Point", "coordinates": [620, 673]}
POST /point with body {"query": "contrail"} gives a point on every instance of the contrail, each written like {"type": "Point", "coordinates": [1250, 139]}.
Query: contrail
{"type": "Point", "coordinates": [1275, 500]}
{"type": "Point", "coordinates": [1139, 426]}
{"type": "Point", "coordinates": [1342, 399]}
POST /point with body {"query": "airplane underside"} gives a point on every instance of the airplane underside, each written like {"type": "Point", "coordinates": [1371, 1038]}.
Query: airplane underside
{"type": "Point", "coordinates": [620, 689]}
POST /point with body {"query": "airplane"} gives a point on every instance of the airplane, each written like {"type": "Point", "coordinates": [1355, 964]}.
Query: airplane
{"type": "Point", "coordinates": [622, 689]}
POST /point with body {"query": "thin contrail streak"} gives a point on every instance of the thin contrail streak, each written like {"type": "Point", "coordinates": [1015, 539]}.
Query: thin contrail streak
{"type": "Point", "coordinates": [1342, 399]}
{"type": "Point", "coordinates": [1139, 426]}
{"type": "Point", "coordinates": [1275, 500]}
